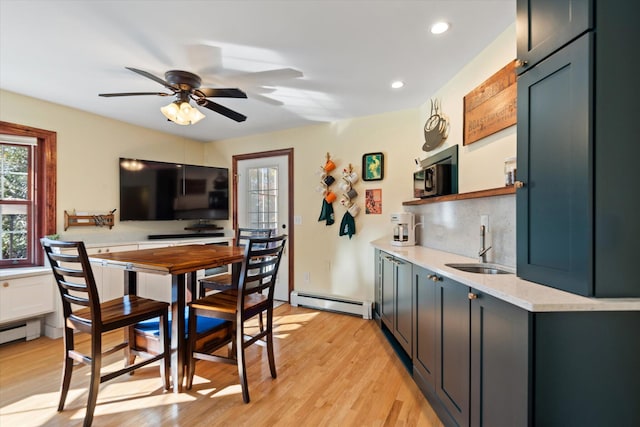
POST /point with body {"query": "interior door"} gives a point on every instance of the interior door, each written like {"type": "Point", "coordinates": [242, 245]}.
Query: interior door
{"type": "Point", "coordinates": [262, 198]}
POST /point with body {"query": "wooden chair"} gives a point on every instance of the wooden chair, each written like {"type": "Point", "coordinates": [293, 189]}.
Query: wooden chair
{"type": "Point", "coordinates": [77, 286]}
{"type": "Point", "coordinates": [223, 281]}
{"type": "Point", "coordinates": [257, 276]}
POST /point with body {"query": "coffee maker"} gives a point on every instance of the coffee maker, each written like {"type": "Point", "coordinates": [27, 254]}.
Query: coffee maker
{"type": "Point", "coordinates": [404, 233]}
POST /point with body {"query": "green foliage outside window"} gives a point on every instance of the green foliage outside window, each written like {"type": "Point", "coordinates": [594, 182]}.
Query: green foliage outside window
{"type": "Point", "coordinates": [14, 178]}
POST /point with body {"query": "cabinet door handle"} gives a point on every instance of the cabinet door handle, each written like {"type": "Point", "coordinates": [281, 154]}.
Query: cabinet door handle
{"type": "Point", "coordinates": [434, 277]}
{"type": "Point", "coordinates": [5, 285]}
{"type": "Point", "coordinates": [519, 184]}
{"type": "Point", "coordinates": [521, 63]}
{"type": "Point", "coordinates": [473, 296]}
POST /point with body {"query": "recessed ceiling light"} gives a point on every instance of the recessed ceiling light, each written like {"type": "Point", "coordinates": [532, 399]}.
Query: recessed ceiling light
{"type": "Point", "coordinates": [397, 84]}
{"type": "Point", "coordinates": [439, 27]}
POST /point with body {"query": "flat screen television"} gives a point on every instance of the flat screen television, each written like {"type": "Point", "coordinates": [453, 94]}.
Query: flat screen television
{"type": "Point", "coordinates": [157, 191]}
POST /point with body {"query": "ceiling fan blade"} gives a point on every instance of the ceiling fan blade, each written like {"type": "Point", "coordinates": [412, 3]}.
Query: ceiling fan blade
{"type": "Point", "coordinates": [209, 92]}
{"type": "Point", "coordinates": [266, 99]}
{"type": "Point", "coordinates": [268, 75]}
{"type": "Point", "coordinates": [154, 78]}
{"type": "Point", "coordinates": [222, 110]}
{"type": "Point", "coordinates": [134, 94]}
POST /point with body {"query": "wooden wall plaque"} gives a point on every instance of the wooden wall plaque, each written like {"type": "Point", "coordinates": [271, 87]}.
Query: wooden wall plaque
{"type": "Point", "coordinates": [491, 106]}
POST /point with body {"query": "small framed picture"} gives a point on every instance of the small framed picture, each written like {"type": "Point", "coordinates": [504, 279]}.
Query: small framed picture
{"type": "Point", "coordinates": [373, 167]}
{"type": "Point", "coordinates": [373, 201]}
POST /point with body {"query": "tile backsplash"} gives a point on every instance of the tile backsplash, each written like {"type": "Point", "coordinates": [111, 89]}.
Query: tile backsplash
{"type": "Point", "coordinates": [455, 227]}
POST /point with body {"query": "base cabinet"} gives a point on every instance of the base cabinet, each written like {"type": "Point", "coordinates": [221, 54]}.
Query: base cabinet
{"type": "Point", "coordinates": [499, 362]}
{"type": "Point", "coordinates": [481, 361]}
{"type": "Point", "coordinates": [26, 297]}
{"type": "Point", "coordinates": [397, 300]}
{"type": "Point", "coordinates": [453, 352]}
{"type": "Point", "coordinates": [471, 353]}
{"type": "Point", "coordinates": [425, 331]}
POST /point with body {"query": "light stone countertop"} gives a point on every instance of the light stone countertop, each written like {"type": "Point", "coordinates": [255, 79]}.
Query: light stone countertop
{"type": "Point", "coordinates": [507, 287]}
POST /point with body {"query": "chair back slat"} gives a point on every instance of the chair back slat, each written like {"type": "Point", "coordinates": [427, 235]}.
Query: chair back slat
{"type": "Point", "coordinates": [74, 278]}
{"type": "Point", "coordinates": [260, 266]}
{"type": "Point", "coordinates": [244, 234]}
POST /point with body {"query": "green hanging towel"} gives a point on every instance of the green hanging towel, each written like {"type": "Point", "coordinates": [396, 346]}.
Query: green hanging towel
{"type": "Point", "coordinates": [348, 225]}
{"type": "Point", "coordinates": [326, 213]}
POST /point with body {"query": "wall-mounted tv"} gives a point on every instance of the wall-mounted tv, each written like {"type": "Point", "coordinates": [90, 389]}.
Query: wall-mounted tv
{"type": "Point", "coordinates": [156, 191]}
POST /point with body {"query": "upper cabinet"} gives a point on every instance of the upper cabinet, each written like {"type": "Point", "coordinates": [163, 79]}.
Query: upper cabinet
{"type": "Point", "coordinates": [553, 207]}
{"type": "Point", "coordinates": [576, 205]}
{"type": "Point", "coordinates": [544, 26]}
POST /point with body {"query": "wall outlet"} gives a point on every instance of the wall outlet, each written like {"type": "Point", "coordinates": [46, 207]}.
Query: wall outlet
{"type": "Point", "coordinates": [297, 220]}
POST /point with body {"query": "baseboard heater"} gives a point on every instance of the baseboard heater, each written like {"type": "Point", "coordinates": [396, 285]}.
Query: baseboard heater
{"type": "Point", "coordinates": [29, 330]}
{"type": "Point", "coordinates": [331, 303]}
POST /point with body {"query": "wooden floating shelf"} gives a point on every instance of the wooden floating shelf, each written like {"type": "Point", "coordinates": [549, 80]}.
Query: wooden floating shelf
{"type": "Point", "coordinates": [501, 191]}
{"type": "Point", "coordinates": [98, 220]}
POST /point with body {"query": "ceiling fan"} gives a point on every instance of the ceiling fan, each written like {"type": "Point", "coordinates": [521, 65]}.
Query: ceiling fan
{"type": "Point", "coordinates": [185, 86]}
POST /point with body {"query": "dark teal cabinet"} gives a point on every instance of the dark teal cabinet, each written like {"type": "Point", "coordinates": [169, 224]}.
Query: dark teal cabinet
{"type": "Point", "coordinates": [377, 303]}
{"type": "Point", "coordinates": [397, 300]}
{"type": "Point", "coordinates": [617, 149]}
{"type": "Point", "coordinates": [403, 330]}
{"type": "Point", "coordinates": [425, 331]}
{"type": "Point", "coordinates": [554, 236]}
{"type": "Point", "coordinates": [453, 356]}
{"type": "Point", "coordinates": [578, 149]}
{"type": "Point", "coordinates": [544, 26]}
{"type": "Point", "coordinates": [387, 292]}
{"type": "Point", "coordinates": [499, 362]}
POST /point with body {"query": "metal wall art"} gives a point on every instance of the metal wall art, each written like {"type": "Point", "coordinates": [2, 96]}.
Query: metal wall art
{"type": "Point", "coordinates": [436, 129]}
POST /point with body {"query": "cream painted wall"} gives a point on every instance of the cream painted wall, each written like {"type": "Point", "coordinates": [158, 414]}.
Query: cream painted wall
{"type": "Point", "coordinates": [481, 163]}
{"type": "Point", "coordinates": [343, 267]}
{"type": "Point", "coordinates": [88, 150]}
{"type": "Point", "coordinates": [337, 265]}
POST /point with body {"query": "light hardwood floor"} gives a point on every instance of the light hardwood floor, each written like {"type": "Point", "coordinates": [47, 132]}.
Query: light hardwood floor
{"type": "Point", "coordinates": [333, 370]}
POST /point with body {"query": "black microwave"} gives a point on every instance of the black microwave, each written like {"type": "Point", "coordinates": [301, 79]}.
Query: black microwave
{"type": "Point", "coordinates": [434, 180]}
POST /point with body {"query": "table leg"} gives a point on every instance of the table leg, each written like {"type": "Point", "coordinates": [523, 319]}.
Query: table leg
{"type": "Point", "coordinates": [130, 288]}
{"type": "Point", "coordinates": [178, 341]}
{"type": "Point", "coordinates": [130, 282]}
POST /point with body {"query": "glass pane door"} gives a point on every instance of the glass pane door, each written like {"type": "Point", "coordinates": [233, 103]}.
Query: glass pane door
{"type": "Point", "coordinates": [262, 189]}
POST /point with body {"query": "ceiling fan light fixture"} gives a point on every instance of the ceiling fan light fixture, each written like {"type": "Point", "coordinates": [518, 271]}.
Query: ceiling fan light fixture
{"type": "Point", "coordinates": [182, 113]}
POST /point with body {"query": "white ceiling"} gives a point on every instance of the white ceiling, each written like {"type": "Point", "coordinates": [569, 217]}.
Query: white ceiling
{"type": "Point", "coordinates": [348, 51]}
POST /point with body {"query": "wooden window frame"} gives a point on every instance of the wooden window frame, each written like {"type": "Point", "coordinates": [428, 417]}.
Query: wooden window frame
{"type": "Point", "coordinates": [45, 162]}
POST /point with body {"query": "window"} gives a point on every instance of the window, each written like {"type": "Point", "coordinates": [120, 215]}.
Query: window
{"type": "Point", "coordinates": [262, 206]}
{"type": "Point", "coordinates": [27, 193]}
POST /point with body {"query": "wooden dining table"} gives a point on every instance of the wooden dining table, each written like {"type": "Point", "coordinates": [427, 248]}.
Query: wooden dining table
{"type": "Point", "coordinates": [182, 263]}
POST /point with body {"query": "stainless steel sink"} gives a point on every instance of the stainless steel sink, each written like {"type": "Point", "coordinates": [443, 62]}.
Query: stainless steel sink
{"type": "Point", "coordinates": [480, 268]}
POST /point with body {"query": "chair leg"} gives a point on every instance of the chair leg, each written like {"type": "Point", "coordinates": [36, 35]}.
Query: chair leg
{"type": "Point", "coordinates": [191, 344]}
{"type": "Point", "coordinates": [130, 338]}
{"type": "Point", "coordinates": [94, 385]}
{"type": "Point", "coordinates": [165, 366]}
{"type": "Point", "coordinates": [272, 360]}
{"type": "Point", "coordinates": [67, 367]}
{"type": "Point", "coordinates": [242, 366]}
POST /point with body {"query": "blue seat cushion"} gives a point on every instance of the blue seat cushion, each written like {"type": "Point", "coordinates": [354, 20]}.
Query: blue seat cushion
{"type": "Point", "coordinates": [203, 325]}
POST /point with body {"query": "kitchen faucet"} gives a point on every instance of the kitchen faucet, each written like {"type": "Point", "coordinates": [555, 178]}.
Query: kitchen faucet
{"type": "Point", "coordinates": [483, 251]}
